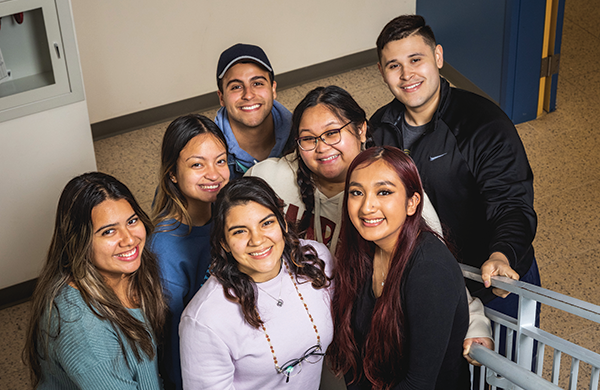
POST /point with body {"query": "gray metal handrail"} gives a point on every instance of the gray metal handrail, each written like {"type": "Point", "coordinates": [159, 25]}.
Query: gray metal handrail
{"type": "Point", "coordinates": [524, 331]}
{"type": "Point", "coordinates": [511, 372]}
{"type": "Point", "coordinates": [560, 301]}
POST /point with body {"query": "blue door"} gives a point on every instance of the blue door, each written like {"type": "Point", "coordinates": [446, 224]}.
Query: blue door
{"type": "Point", "coordinates": [497, 46]}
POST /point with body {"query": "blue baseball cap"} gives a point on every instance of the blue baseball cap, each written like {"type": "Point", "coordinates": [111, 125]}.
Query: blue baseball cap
{"type": "Point", "coordinates": [240, 52]}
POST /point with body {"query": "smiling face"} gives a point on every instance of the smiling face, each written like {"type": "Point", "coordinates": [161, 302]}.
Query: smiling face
{"type": "Point", "coordinates": [118, 240]}
{"type": "Point", "coordinates": [378, 205]}
{"type": "Point", "coordinates": [329, 163]}
{"type": "Point", "coordinates": [255, 239]}
{"type": "Point", "coordinates": [247, 95]}
{"type": "Point", "coordinates": [201, 169]}
{"type": "Point", "coordinates": [410, 67]}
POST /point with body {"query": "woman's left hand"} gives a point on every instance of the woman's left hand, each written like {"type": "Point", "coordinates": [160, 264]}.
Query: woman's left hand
{"type": "Point", "coordinates": [485, 341]}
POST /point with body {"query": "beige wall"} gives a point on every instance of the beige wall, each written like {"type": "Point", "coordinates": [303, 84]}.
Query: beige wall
{"type": "Point", "coordinates": [139, 54]}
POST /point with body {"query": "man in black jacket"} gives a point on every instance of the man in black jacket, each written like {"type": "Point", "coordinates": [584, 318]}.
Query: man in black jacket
{"type": "Point", "coordinates": [470, 157]}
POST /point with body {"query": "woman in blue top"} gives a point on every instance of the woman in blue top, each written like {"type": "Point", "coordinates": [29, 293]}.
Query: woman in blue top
{"type": "Point", "coordinates": [193, 171]}
{"type": "Point", "coordinates": [98, 305]}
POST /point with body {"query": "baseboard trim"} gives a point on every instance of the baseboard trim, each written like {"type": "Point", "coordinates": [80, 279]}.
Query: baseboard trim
{"type": "Point", "coordinates": [16, 294]}
{"type": "Point", "coordinates": [164, 113]}
{"type": "Point", "coordinates": [327, 69]}
{"type": "Point", "coordinates": [152, 116]}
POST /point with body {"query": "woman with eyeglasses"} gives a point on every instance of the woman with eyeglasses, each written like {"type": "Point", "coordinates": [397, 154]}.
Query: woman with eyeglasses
{"type": "Point", "coordinates": [193, 171]}
{"type": "Point", "coordinates": [331, 129]}
{"type": "Point", "coordinates": [262, 320]}
{"type": "Point", "coordinates": [400, 307]}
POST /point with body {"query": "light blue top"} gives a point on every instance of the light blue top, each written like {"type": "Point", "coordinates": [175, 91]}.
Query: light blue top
{"type": "Point", "coordinates": [87, 355]}
{"type": "Point", "coordinates": [183, 260]}
{"type": "Point", "coordinates": [238, 159]}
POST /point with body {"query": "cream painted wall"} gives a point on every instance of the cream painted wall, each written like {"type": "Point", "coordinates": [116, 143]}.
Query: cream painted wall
{"type": "Point", "coordinates": [139, 54]}
{"type": "Point", "coordinates": [39, 153]}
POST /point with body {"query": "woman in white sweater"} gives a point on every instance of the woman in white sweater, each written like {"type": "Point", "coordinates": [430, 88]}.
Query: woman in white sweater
{"type": "Point", "coordinates": [262, 320]}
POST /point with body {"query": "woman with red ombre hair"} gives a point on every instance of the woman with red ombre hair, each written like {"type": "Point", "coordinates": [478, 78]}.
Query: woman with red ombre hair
{"type": "Point", "coordinates": [400, 307]}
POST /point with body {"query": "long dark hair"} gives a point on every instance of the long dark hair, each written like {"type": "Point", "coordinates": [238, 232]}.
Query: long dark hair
{"type": "Point", "coordinates": [237, 286]}
{"type": "Point", "coordinates": [170, 202]}
{"type": "Point", "coordinates": [380, 359]}
{"type": "Point", "coordinates": [342, 105]}
{"type": "Point", "coordinates": [70, 261]}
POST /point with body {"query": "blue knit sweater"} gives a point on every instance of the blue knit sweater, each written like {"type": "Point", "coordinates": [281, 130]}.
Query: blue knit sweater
{"type": "Point", "coordinates": [183, 259]}
{"type": "Point", "coordinates": [87, 355]}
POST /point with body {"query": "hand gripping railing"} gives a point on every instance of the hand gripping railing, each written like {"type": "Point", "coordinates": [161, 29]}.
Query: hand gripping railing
{"type": "Point", "coordinates": [501, 371]}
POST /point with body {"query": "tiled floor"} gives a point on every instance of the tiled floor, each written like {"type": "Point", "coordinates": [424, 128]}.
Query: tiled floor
{"type": "Point", "coordinates": [563, 148]}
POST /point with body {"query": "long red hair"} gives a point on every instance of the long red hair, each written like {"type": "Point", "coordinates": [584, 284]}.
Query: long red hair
{"type": "Point", "coordinates": [380, 358]}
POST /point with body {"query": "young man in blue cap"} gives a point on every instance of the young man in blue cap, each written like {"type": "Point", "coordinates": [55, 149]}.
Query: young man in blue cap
{"type": "Point", "coordinates": [255, 125]}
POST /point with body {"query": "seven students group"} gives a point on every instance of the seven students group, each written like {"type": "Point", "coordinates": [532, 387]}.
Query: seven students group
{"type": "Point", "coordinates": [389, 310]}
{"type": "Point", "coordinates": [329, 257]}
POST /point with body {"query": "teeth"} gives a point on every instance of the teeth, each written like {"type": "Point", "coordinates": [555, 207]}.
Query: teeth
{"type": "Point", "coordinates": [129, 253]}
{"type": "Point", "coordinates": [329, 158]}
{"type": "Point", "coordinates": [260, 253]}
{"type": "Point", "coordinates": [210, 187]}
{"type": "Point", "coordinates": [412, 86]}
{"type": "Point", "coordinates": [248, 108]}
{"type": "Point", "coordinates": [373, 220]}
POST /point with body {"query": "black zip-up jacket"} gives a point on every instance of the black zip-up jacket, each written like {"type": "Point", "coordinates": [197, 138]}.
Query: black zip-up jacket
{"type": "Point", "coordinates": [475, 171]}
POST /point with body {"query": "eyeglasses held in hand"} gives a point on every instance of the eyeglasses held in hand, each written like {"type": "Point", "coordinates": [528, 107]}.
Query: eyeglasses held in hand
{"type": "Point", "coordinates": [329, 137]}
{"type": "Point", "coordinates": [293, 367]}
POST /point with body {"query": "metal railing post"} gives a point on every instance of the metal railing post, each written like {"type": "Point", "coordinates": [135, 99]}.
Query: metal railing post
{"type": "Point", "coordinates": [525, 320]}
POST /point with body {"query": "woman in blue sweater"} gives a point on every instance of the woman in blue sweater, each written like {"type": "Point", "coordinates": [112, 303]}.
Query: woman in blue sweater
{"type": "Point", "coordinates": [193, 171]}
{"type": "Point", "coordinates": [98, 306]}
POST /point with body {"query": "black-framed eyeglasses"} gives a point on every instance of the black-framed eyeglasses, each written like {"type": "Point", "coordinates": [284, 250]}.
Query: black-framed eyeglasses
{"type": "Point", "coordinates": [293, 367]}
{"type": "Point", "coordinates": [330, 137]}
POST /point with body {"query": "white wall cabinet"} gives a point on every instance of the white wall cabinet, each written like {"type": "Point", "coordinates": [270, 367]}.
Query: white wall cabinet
{"type": "Point", "coordinates": [40, 56]}
{"type": "Point", "coordinates": [45, 136]}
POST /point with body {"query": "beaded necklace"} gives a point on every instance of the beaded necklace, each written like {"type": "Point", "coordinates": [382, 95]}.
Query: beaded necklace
{"type": "Point", "coordinates": [279, 369]}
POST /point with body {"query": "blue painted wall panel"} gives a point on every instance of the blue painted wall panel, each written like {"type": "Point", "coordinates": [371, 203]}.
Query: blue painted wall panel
{"type": "Point", "coordinates": [529, 55]}
{"type": "Point", "coordinates": [509, 57]}
{"type": "Point", "coordinates": [496, 44]}
{"type": "Point", "coordinates": [472, 35]}
{"type": "Point", "coordinates": [557, 46]}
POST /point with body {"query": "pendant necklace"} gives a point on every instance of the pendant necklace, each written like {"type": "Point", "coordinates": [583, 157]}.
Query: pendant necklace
{"type": "Point", "coordinates": [278, 300]}
{"type": "Point", "coordinates": [382, 273]}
